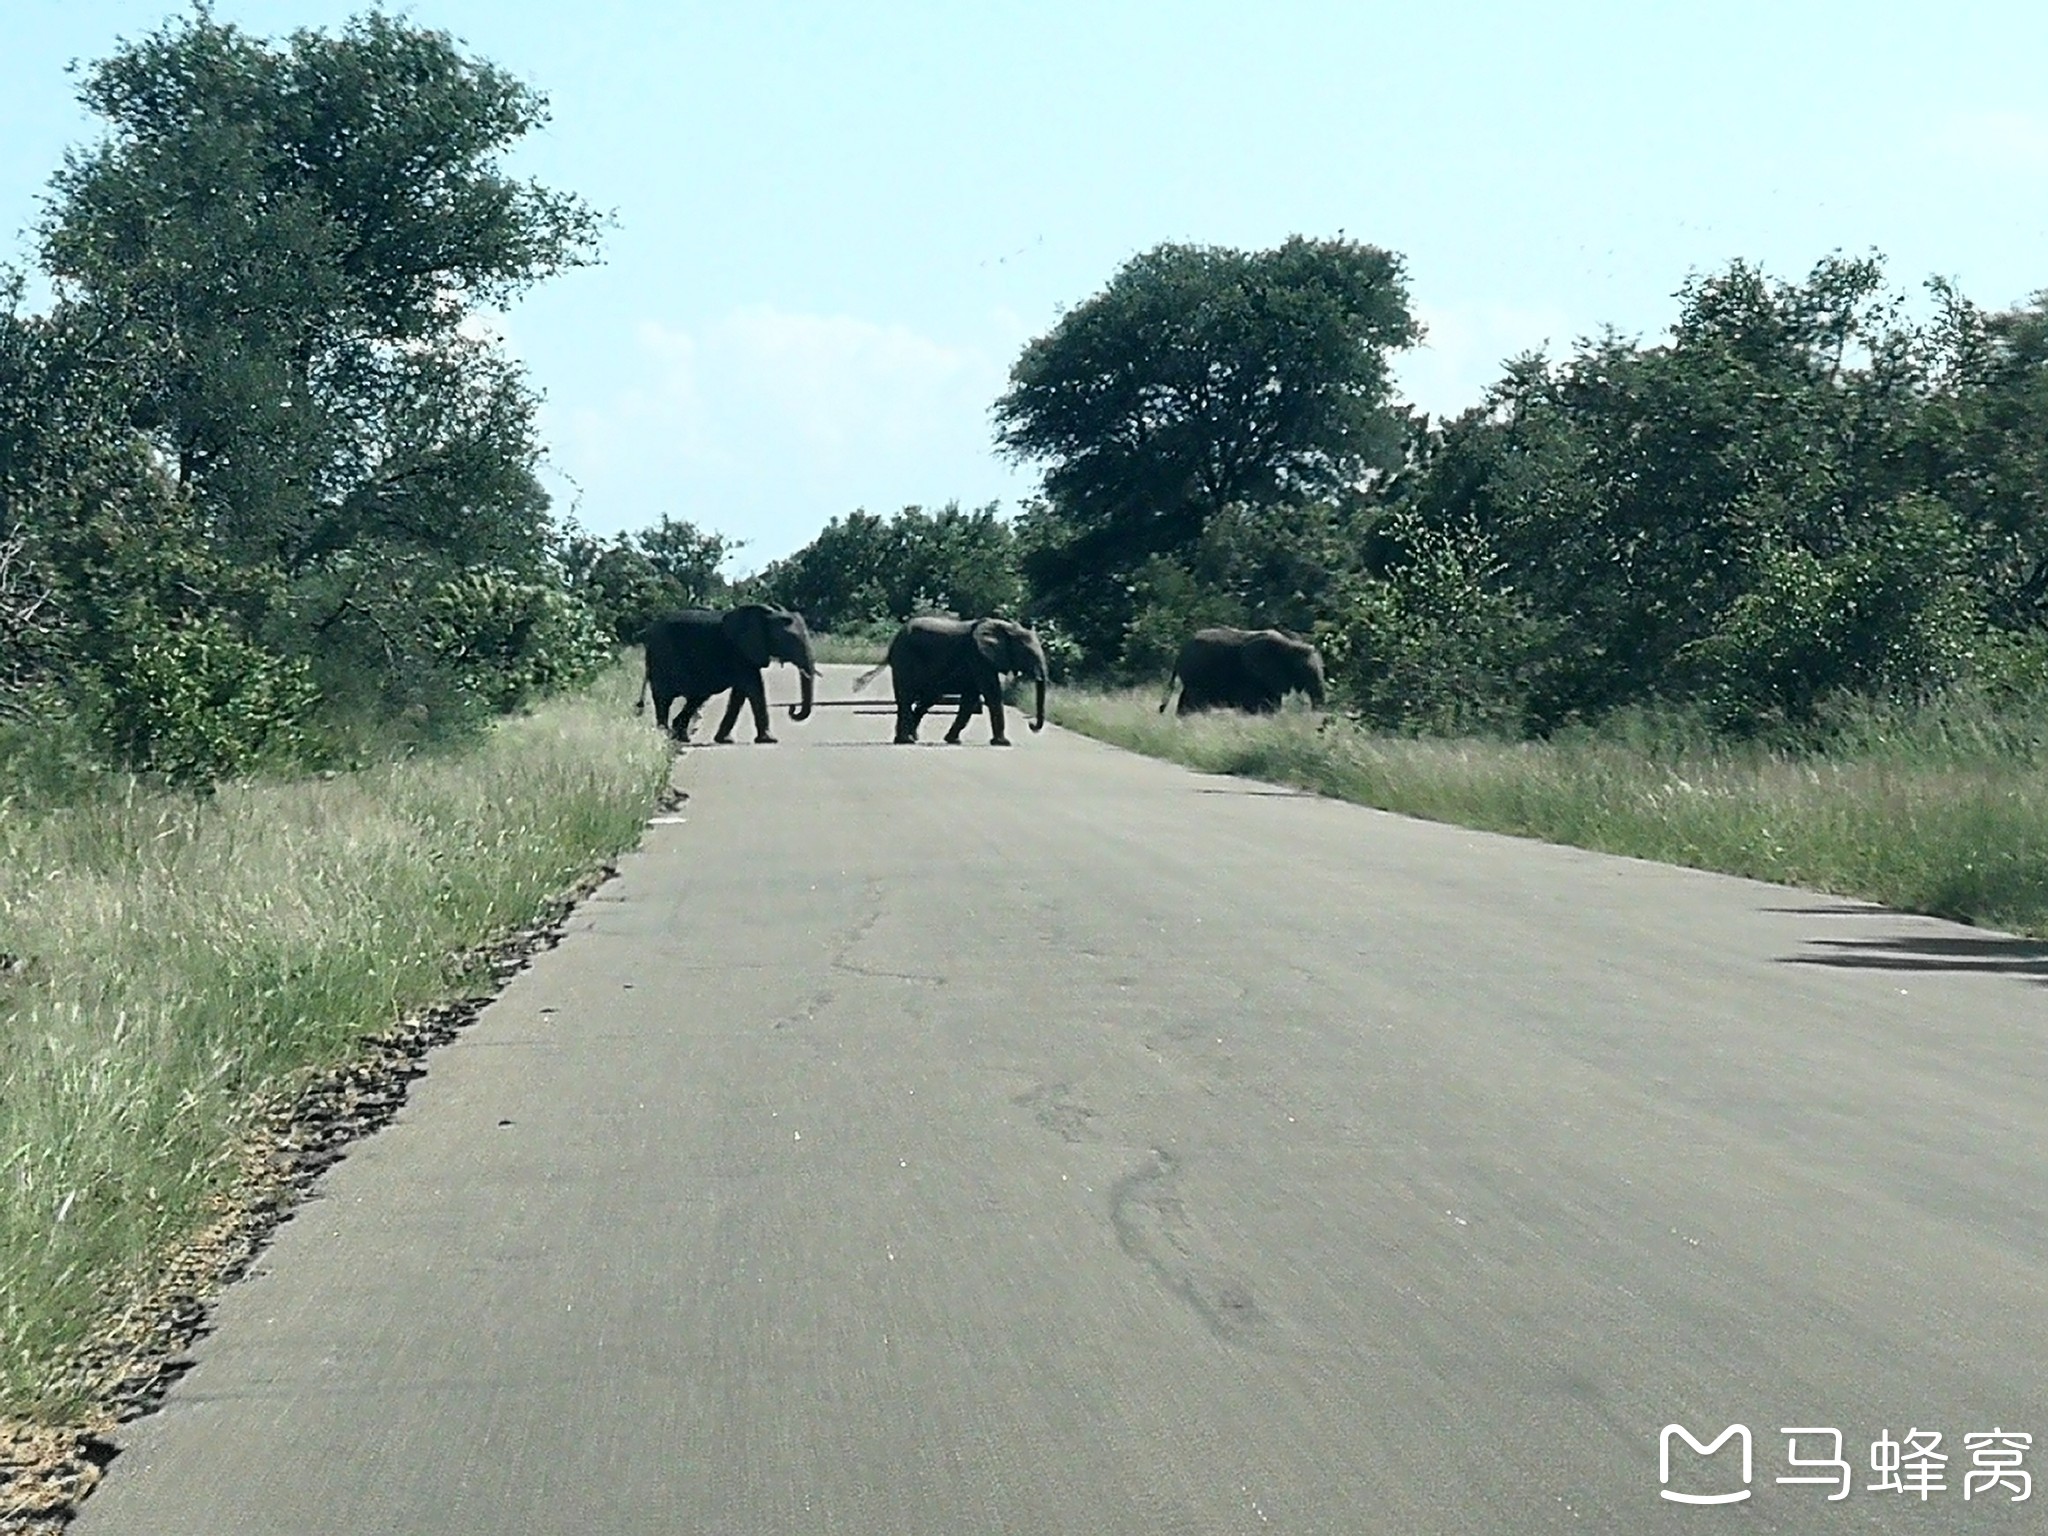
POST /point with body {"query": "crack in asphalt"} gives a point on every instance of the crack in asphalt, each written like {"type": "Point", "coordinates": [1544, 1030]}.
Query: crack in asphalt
{"type": "Point", "coordinates": [840, 962]}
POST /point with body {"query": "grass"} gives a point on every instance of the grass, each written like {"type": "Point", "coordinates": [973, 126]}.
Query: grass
{"type": "Point", "coordinates": [849, 649]}
{"type": "Point", "coordinates": [1943, 811]}
{"type": "Point", "coordinates": [176, 965]}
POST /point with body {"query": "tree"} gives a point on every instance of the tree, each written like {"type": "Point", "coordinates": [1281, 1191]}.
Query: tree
{"type": "Point", "coordinates": [690, 558]}
{"type": "Point", "coordinates": [1202, 377]}
{"type": "Point", "coordinates": [1772, 506]}
{"type": "Point", "coordinates": [1982, 445]}
{"type": "Point", "coordinates": [269, 261]}
{"type": "Point", "coordinates": [639, 577]}
{"type": "Point", "coordinates": [863, 570]}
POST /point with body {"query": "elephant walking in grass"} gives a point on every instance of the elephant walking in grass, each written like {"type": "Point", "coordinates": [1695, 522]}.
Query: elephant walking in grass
{"type": "Point", "coordinates": [700, 652]}
{"type": "Point", "coordinates": [931, 658]}
{"type": "Point", "coordinates": [1248, 669]}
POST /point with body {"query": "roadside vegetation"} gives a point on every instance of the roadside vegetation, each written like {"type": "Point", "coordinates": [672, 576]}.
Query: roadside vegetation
{"type": "Point", "coordinates": [177, 964]}
{"type": "Point", "coordinates": [1941, 809]}
{"type": "Point", "coordinates": [1766, 595]}
{"type": "Point", "coordinates": [305, 695]}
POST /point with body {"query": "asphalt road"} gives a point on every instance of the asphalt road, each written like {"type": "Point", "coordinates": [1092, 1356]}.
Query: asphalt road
{"type": "Point", "coordinates": [947, 1140]}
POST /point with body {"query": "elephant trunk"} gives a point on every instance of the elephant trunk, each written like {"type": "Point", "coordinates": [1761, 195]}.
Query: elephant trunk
{"type": "Point", "coordinates": [801, 710]}
{"type": "Point", "coordinates": [1038, 720]}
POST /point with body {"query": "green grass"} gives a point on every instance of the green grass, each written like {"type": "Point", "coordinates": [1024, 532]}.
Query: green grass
{"type": "Point", "coordinates": [850, 649]}
{"type": "Point", "coordinates": [1941, 811]}
{"type": "Point", "coordinates": [180, 963]}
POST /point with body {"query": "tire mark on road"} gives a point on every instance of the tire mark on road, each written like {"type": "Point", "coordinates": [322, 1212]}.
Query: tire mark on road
{"type": "Point", "coordinates": [1152, 1226]}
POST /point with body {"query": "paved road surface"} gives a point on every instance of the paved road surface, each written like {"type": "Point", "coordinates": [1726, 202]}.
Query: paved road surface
{"type": "Point", "coordinates": [953, 1141]}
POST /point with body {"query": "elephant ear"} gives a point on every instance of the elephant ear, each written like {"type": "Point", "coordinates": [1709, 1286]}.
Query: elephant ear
{"type": "Point", "coordinates": [1267, 659]}
{"type": "Point", "coordinates": [993, 643]}
{"type": "Point", "coordinates": [747, 629]}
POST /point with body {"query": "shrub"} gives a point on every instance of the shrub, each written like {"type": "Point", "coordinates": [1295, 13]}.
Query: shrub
{"type": "Point", "coordinates": [194, 702]}
{"type": "Point", "coordinates": [1890, 612]}
{"type": "Point", "coordinates": [511, 640]}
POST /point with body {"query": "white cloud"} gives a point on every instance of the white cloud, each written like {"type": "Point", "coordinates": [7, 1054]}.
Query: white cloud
{"type": "Point", "coordinates": [1465, 348]}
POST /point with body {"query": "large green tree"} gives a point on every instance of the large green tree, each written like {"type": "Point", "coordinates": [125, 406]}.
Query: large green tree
{"type": "Point", "coordinates": [1201, 377]}
{"type": "Point", "coordinates": [635, 578]}
{"type": "Point", "coordinates": [266, 273]}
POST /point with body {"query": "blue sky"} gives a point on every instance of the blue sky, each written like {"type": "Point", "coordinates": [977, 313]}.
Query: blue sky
{"type": "Point", "coordinates": [838, 223]}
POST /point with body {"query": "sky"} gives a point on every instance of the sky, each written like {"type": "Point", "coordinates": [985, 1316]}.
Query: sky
{"type": "Point", "coordinates": [835, 225]}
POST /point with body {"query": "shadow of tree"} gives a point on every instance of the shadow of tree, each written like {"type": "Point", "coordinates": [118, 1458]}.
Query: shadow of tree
{"type": "Point", "coordinates": [1988, 955]}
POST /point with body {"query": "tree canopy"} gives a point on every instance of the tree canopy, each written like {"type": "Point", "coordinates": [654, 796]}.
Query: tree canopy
{"type": "Point", "coordinates": [257, 408]}
{"type": "Point", "coordinates": [1199, 378]}
{"type": "Point", "coordinates": [866, 571]}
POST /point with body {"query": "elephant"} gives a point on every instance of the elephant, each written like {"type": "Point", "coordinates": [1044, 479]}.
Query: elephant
{"type": "Point", "coordinates": [1248, 669]}
{"type": "Point", "coordinates": [700, 652]}
{"type": "Point", "coordinates": [933, 657]}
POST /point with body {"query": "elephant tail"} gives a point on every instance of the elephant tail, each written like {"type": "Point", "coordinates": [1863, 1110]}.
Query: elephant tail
{"type": "Point", "coordinates": [640, 704]}
{"type": "Point", "coordinates": [868, 676]}
{"type": "Point", "coordinates": [1171, 678]}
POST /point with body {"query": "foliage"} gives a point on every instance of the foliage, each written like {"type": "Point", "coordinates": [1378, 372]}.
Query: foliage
{"type": "Point", "coordinates": [1201, 377]}
{"type": "Point", "coordinates": [635, 578]}
{"type": "Point", "coordinates": [509, 640]}
{"type": "Point", "coordinates": [863, 570]}
{"type": "Point", "coordinates": [258, 422]}
{"type": "Point", "coordinates": [196, 702]}
{"type": "Point", "coordinates": [1891, 610]}
{"type": "Point", "coordinates": [1441, 645]}
{"type": "Point", "coordinates": [1773, 507]}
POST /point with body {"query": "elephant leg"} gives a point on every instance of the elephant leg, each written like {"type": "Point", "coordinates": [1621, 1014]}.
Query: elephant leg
{"type": "Point", "coordinates": [757, 698]}
{"type": "Point", "coordinates": [994, 688]}
{"type": "Point", "coordinates": [918, 710]}
{"type": "Point", "coordinates": [906, 721]}
{"type": "Point", "coordinates": [688, 718]}
{"type": "Point", "coordinates": [662, 701]}
{"type": "Point", "coordinates": [969, 699]}
{"type": "Point", "coordinates": [748, 691]}
{"type": "Point", "coordinates": [733, 705]}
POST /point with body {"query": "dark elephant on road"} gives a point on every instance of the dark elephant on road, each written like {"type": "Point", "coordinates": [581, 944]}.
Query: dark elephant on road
{"type": "Point", "coordinates": [931, 658]}
{"type": "Point", "coordinates": [1249, 669]}
{"type": "Point", "coordinates": [700, 652]}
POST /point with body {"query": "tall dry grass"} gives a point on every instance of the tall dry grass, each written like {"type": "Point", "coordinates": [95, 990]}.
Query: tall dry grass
{"type": "Point", "coordinates": [1942, 810]}
{"type": "Point", "coordinates": [174, 962]}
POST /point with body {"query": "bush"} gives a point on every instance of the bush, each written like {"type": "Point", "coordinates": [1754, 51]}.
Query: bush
{"type": "Point", "coordinates": [1891, 612]}
{"type": "Point", "coordinates": [1437, 646]}
{"type": "Point", "coordinates": [1172, 605]}
{"type": "Point", "coordinates": [194, 702]}
{"type": "Point", "coordinates": [511, 641]}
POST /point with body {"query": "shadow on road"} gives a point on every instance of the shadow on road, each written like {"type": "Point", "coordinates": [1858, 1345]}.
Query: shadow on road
{"type": "Point", "coordinates": [1990, 955]}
